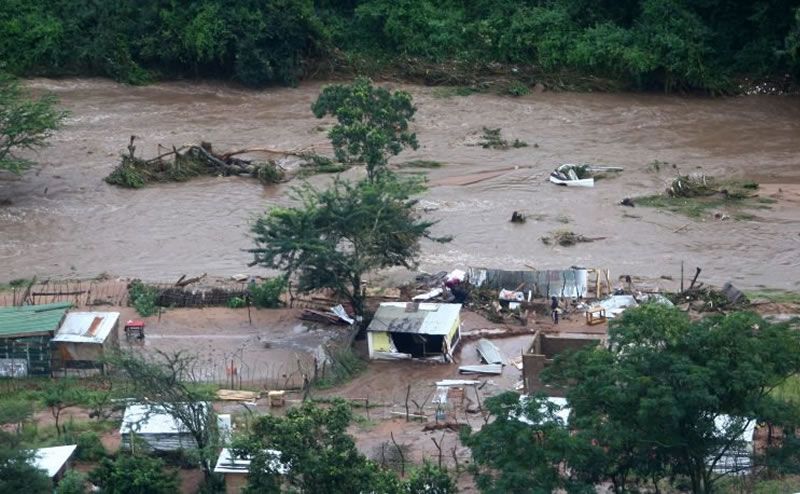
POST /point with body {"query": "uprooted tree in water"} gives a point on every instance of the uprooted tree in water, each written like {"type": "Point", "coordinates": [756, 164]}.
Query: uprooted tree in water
{"type": "Point", "coordinates": [186, 162]}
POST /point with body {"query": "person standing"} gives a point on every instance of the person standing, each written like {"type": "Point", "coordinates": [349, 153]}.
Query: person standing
{"type": "Point", "coordinates": [554, 308]}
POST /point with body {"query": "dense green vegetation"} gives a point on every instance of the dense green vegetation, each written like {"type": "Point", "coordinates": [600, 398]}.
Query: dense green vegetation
{"type": "Point", "coordinates": [669, 44]}
{"type": "Point", "coordinates": [309, 450]}
{"type": "Point", "coordinates": [663, 403]}
{"type": "Point", "coordinates": [25, 123]}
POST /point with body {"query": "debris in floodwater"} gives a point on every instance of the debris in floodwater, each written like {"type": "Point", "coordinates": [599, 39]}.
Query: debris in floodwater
{"type": "Point", "coordinates": [567, 238]}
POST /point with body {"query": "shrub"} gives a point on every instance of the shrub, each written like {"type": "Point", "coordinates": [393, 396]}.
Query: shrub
{"type": "Point", "coordinates": [74, 482]}
{"type": "Point", "coordinates": [134, 475]}
{"type": "Point", "coordinates": [267, 295]}
{"type": "Point", "coordinates": [236, 303]}
{"type": "Point", "coordinates": [269, 173]}
{"type": "Point", "coordinates": [89, 447]}
{"type": "Point", "coordinates": [517, 88]}
{"type": "Point", "coordinates": [143, 298]}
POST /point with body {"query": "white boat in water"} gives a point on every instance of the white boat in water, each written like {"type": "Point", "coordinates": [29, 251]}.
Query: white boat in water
{"type": "Point", "coordinates": [567, 175]}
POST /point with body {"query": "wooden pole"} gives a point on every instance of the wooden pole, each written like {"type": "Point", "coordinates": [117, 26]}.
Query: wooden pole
{"type": "Point", "coordinates": [408, 392]}
{"type": "Point", "coordinates": [681, 276]}
{"type": "Point", "coordinates": [694, 280]}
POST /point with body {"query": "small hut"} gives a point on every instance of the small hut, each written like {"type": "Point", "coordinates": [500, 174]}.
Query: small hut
{"type": "Point", "coordinates": [414, 330]}
{"type": "Point", "coordinates": [25, 335]}
{"type": "Point", "coordinates": [158, 430]}
{"type": "Point", "coordinates": [53, 461]}
{"type": "Point", "coordinates": [84, 338]}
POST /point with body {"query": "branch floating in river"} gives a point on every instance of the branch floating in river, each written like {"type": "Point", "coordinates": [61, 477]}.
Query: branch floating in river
{"type": "Point", "coordinates": [186, 162]}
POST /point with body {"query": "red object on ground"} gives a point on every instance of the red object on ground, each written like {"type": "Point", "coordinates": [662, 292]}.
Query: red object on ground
{"type": "Point", "coordinates": [134, 324]}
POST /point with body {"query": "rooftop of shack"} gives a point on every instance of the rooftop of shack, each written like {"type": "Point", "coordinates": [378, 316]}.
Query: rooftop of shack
{"type": "Point", "coordinates": [52, 459]}
{"type": "Point", "coordinates": [229, 463]}
{"type": "Point", "coordinates": [31, 320]}
{"type": "Point", "coordinates": [154, 419]}
{"type": "Point", "coordinates": [409, 317]}
{"type": "Point", "coordinates": [151, 419]}
{"type": "Point", "coordinates": [86, 327]}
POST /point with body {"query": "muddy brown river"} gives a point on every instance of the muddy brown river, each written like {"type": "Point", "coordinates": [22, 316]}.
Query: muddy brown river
{"type": "Point", "coordinates": [62, 220]}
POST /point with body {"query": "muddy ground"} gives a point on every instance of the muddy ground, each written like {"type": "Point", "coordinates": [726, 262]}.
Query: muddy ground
{"type": "Point", "coordinates": [61, 219]}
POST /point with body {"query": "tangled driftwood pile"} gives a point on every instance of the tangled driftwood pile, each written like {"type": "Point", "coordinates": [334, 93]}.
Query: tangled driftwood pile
{"type": "Point", "coordinates": [186, 162]}
{"type": "Point", "coordinates": [699, 185]}
{"type": "Point", "coordinates": [566, 238]}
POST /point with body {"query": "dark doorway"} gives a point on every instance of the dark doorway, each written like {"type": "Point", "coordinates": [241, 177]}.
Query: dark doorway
{"type": "Point", "coordinates": [418, 345]}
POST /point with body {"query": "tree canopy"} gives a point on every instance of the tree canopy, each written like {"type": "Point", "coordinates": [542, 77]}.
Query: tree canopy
{"type": "Point", "coordinates": [167, 381]}
{"type": "Point", "coordinates": [336, 236]}
{"type": "Point", "coordinates": [16, 472]}
{"type": "Point", "coordinates": [668, 399]}
{"type": "Point", "coordinates": [315, 454]}
{"type": "Point", "coordinates": [134, 475]}
{"type": "Point", "coordinates": [372, 123]}
{"type": "Point", "coordinates": [25, 123]}
{"type": "Point", "coordinates": [670, 44]}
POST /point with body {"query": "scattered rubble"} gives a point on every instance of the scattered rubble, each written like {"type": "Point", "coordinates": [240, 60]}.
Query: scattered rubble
{"type": "Point", "coordinates": [573, 175]}
{"type": "Point", "coordinates": [336, 315]}
{"type": "Point", "coordinates": [707, 299]}
{"type": "Point", "coordinates": [567, 238]}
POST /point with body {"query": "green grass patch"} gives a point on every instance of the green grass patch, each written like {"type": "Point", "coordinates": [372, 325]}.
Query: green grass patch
{"type": "Point", "coordinates": [36, 436]}
{"type": "Point", "coordinates": [321, 164]}
{"type": "Point", "coordinates": [31, 390]}
{"type": "Point", "coordinates": [693, 207]}
{"type": "Point", "coordinates": [775, 295]}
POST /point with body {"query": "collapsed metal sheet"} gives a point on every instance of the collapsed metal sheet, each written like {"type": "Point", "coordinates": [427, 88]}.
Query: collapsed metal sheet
{"type": "Point", "coordinates": [481, 369]}
{"type": "Point", "coordinates": [571, 283]}
{"type": "Point", "coordinates": [489, 352]}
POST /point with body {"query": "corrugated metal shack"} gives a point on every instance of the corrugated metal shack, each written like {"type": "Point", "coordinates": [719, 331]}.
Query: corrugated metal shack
{"type": "Point", "coordinates": [84, 338]}
{"type": "Point", "coordinates": [25, 335]}
{"type": "Point", "coordinates": [414, 330]}
{"type": "Point", "coordinates": [571, 283]}
{"type": "Point", "coordinates": [158, 430]}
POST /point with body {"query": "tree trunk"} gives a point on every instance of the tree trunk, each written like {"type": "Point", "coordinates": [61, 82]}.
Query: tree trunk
{"type": "Point", "coordinates": [357, 299]}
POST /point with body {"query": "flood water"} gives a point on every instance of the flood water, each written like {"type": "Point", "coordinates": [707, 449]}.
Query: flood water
{"type": "Point", "coordinates": [64, 221]}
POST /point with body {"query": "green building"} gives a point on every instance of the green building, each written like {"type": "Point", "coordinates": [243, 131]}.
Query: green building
{"type": "Point", "coordinates": [25, 338]}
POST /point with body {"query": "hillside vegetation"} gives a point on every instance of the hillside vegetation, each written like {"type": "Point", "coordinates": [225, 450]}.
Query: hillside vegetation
{"type": "Point", "coordinates": [635, 44]}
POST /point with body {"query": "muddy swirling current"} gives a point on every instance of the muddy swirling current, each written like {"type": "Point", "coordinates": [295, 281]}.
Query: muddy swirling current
{"type": "Point", "coordinates": [62, 220]}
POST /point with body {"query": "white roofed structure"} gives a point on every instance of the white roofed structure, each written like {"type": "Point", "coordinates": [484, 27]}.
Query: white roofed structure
{"type": "Point", "coordinates": [53, 461]}
{"type": "Point", "coordinates": [161, 431]}
{"type": "Point", "coordinates": [414, 330]}
{"type": "Point", "coordinates": [83, 339]}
